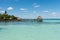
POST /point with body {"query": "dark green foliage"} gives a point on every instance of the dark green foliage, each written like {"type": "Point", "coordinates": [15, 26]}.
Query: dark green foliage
{"type": "Point", "coordinates": [6, 17]}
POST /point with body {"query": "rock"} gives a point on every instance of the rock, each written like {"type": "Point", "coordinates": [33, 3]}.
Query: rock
{"type": "Point", "coordinates": [39, 19]}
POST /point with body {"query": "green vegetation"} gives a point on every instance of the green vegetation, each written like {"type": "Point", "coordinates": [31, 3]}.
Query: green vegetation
{"type": "Point", "coordinates": [6, 17]}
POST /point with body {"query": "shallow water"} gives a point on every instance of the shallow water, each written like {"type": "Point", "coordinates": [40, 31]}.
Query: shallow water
{"type": "Point", "coordinates": [47, 30]}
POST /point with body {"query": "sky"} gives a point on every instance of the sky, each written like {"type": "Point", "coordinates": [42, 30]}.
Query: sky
{"type": "Point", "coordinates": [31, 9]}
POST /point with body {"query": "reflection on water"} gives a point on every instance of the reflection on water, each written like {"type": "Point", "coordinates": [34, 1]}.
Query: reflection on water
{"type": "Point", "coordinates": [30, 22]}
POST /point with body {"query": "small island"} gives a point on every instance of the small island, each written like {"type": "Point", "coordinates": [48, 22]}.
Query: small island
{"type": "Point", "coordinates": [4, 17]}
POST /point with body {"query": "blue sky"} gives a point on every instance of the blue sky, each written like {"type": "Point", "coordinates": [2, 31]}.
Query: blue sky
{"type": "Point", "coordinates": [31, 8]}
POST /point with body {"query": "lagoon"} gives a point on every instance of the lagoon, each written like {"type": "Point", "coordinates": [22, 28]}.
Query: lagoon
{"type": "Point", "coordinates": [46, 30]}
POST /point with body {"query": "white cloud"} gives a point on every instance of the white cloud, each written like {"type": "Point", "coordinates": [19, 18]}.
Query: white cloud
{"type": "Point", "coordinates": [54, 14]}
{"type": "Point", "coordinates": [2, 11]}
{"type": "Point", "coordinates": [24, 9]}
{"type": "Point", "coordinates": [10, 8]}
{"type": "Point", "coordinates": [46, 11]}
{"type": "Point", "coordinates": [35, 5]}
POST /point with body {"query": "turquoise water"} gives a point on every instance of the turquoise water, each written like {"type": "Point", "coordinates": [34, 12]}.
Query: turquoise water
{"type": "Point", "coordinates": [47, 30]}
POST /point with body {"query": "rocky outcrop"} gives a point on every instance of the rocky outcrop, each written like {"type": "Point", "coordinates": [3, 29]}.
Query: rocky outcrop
{"type": "Point", "coordinates": [39, 19]}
